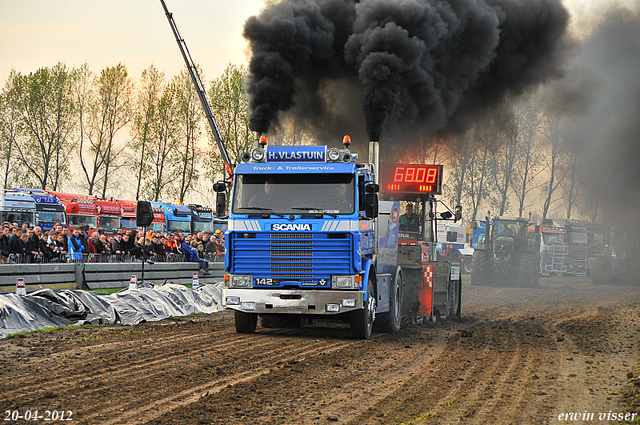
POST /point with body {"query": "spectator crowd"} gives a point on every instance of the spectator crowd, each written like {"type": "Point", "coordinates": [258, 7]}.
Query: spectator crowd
{"type": "Point", "coordinates": [22, 244]}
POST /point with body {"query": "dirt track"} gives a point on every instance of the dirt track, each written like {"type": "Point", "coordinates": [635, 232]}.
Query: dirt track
{"type": "Point", "coordinates": [516, 356]}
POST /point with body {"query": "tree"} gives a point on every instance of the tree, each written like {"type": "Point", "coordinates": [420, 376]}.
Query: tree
{"type": "Point", "coordinates": [466, 182]}
{"type": "Point", "coordinates": [105, 110]}
{"type": "Point", "coordinates": [9, 121]}
{"type": "Point", "coordinates": [47, 117]}
{"type": "Point", "coordinates": [146, 113]}
{"type": "Point", "coordinates": [527, 166]}
{"type": "Point", "coordinates": [501, 168]}
{"type": "Point", "coordinates": [555, 159]}
{"type": "Point", "coordinates": [229, 104]}
{"type": "Point", "coordinates": [571, 188]}
{"type": "Point", "coordinates": [163, 147]}
{"type": "Point", "coordinates": [189, 118]}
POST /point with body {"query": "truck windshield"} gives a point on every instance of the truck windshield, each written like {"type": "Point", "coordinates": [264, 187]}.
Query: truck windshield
{"type": "Point", "coordinates": [108, 224]}
{"type": "Point", "coordinates": [18, 217]}
{"type": "Point", "coordinates": [294, 194]}
{"type": "Point", "coordinates": [504, 228]}
{"type": "Point", "coordinates": [578, 237]}
{"type": "Point", "coordinates": [200, 226]}
{"type": "Point", "coordinates": [50, 217]}
{"type": "Point", "coordinates": [179, 226]}
{"type": "Point", "coordinates": [77, 220]}
{"type": "Point", "coordinates": [553, 238]}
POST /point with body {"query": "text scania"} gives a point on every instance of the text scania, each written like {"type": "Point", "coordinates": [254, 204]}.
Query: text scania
{"type": "Point", "coordinates": [296, 227]}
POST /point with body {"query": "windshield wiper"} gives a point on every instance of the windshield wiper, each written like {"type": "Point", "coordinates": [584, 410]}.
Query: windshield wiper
{"type": "Point", "coordinates": [256, 208]}
{"type": "Point", "coordinates": [266, 214]}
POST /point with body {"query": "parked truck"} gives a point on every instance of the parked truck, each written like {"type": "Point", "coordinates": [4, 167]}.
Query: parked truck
{"type": "Point", "coordinates": [453, 243]}
{"type": "Point", "coordinates": [508, 254]}
{"type": "Point", "coordinates": [17, 207]}
{"type": "Point", "coordinates": [577, 243]}
{"type": "Point", "coordinates": [553, 251]}
{"type": "Point", "coordinates": [619, 261]}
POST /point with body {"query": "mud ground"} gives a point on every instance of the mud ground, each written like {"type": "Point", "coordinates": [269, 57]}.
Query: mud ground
{"type": "Point", "coordinates": [517, 356]}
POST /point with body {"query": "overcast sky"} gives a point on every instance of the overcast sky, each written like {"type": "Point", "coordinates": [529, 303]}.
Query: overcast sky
{"type": "Point", "coordinates": [39, 33]}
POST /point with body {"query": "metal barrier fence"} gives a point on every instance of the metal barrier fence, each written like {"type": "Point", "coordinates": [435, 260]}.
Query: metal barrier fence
{"type": "Point", "coordinates": [87, 275]}
{"type": "Point", "coordinates": [101, 258]}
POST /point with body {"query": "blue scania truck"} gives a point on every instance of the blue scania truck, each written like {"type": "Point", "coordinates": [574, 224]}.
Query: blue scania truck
{"type": "Point", "coordinates": [308, 236]}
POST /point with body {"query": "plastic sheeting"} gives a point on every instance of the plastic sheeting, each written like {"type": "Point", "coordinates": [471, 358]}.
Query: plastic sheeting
{"type": "Point", "coordinates": [48, 308]}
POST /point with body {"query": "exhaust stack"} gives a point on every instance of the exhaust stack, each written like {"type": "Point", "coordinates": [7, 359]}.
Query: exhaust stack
{"type": "Point", "coordinates": [374, 158]}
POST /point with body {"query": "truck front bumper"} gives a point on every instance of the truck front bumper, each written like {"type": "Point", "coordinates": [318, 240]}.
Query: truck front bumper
{"type": "Point", "coordinates": [292, 301]}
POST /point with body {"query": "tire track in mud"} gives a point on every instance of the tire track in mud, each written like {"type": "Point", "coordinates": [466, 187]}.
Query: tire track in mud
{"type": "Point", "coordinates": [163, 405]}
{"type": "Point", "coordinates": [80, 371]}
{"type": "Point", "coordinates": [92, 385]}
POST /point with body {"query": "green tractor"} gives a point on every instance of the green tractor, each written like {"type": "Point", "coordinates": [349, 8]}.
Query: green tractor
{"type": "Point", "coordinates": [508, 255]}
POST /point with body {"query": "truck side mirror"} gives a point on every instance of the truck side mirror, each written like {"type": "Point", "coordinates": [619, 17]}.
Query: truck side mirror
{"type": "Point", "coordinates": [371, 200]}
{"type": "Point", "coordinates": [371, 205]}
{"type": "Point", "coordinates": [372, 188]}
{"type": "Point", "coordinates": [221, 199]}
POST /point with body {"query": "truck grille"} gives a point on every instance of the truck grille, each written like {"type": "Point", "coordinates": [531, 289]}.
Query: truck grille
{"type": "Point", "coordinates": [293, 258]}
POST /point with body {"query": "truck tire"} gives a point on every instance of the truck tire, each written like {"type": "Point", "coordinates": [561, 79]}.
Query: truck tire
{"type": "Point", "coordinates": [455, 289]}
{"type": "Point", "coordinates": [479, 269]}
{"type": "Point", "coordinates": [391, 321]}
{"type": "Point", "coordinates": [245, 322]}
{"type": "Point", "coordinates": [600, 274]}
{"type": "Point", "coordinates": [467, 264]}
{"type": "Point", "coordinates": [528, 272]}
{"type": "Point", "coordinates": [361, 321]}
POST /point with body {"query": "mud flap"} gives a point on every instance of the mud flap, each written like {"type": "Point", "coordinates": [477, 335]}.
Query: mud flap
{"type": "Point", "coordinates": [425, 292]}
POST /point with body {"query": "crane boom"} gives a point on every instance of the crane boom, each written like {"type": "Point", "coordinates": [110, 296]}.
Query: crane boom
{"type": "Point", "coordinates": [197, 82]}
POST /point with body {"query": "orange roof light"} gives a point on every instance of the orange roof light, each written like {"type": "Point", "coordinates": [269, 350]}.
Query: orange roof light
{"type": "Point", "coordinates": [346, 141]}
{"type": "Point", "coordinates": [263, 140]}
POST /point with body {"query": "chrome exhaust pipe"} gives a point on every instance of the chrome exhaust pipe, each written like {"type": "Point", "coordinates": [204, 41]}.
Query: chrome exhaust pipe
{"type": "Point", "coordinates": [374, 159]}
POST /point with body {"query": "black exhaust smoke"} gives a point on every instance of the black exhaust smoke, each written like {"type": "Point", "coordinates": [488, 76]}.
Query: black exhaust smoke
{"type": "Point", "coordinates": [424, 62]}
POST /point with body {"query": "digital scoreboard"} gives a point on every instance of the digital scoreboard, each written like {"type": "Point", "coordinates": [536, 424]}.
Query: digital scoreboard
{"type": "Point", "coordinates": [400, 180]}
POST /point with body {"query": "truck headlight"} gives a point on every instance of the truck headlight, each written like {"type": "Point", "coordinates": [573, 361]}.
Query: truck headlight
{"type": "Point", "coordinates": [343, 282]}
{"type": "Point", "coordinates": [249, 305]}
{"type": "Point", "coordinates": [333, 154]}
{"type": "Point", "coordinates": [232, 300]}
{"type": "Point", "coordinates": [258, 155]}
{"type": "Point", "coordinates": [241, 281]}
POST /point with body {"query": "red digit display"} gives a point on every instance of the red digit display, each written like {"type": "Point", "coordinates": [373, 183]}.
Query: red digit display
{"type": "Point", "coordinates": [409, 180]}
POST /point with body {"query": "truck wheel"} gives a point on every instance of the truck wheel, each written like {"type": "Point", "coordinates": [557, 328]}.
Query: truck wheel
{"type": "Point", "coordinates": [362, 320]}
{"type": "Point", "coordinates": [391, 321]}
{"type": "Point", "coordinates": [467, 264]}
{"type": "Point", "coordinates": [245, 322]}
{"type": "Point", "coordinates": [479, 269]}
{"type": "Point", "coordinates": [600, 270]}
{"type": "Point", "coordinates": [455, 289]}
{"type": "Point", "coordinates": [528, 270]}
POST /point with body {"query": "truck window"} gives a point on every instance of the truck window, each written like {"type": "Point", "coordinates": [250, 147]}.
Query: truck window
{"type": "Point", "coordinates": [294, 194]}
{"type": "Point", "coordinates": [108, 224]}
{"type": "Point", "coordinates": [77, 220]}
{"type": "Point", "coordinates": [577, 237]}
{"type": "Point", "coordinates": [553, 238]}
